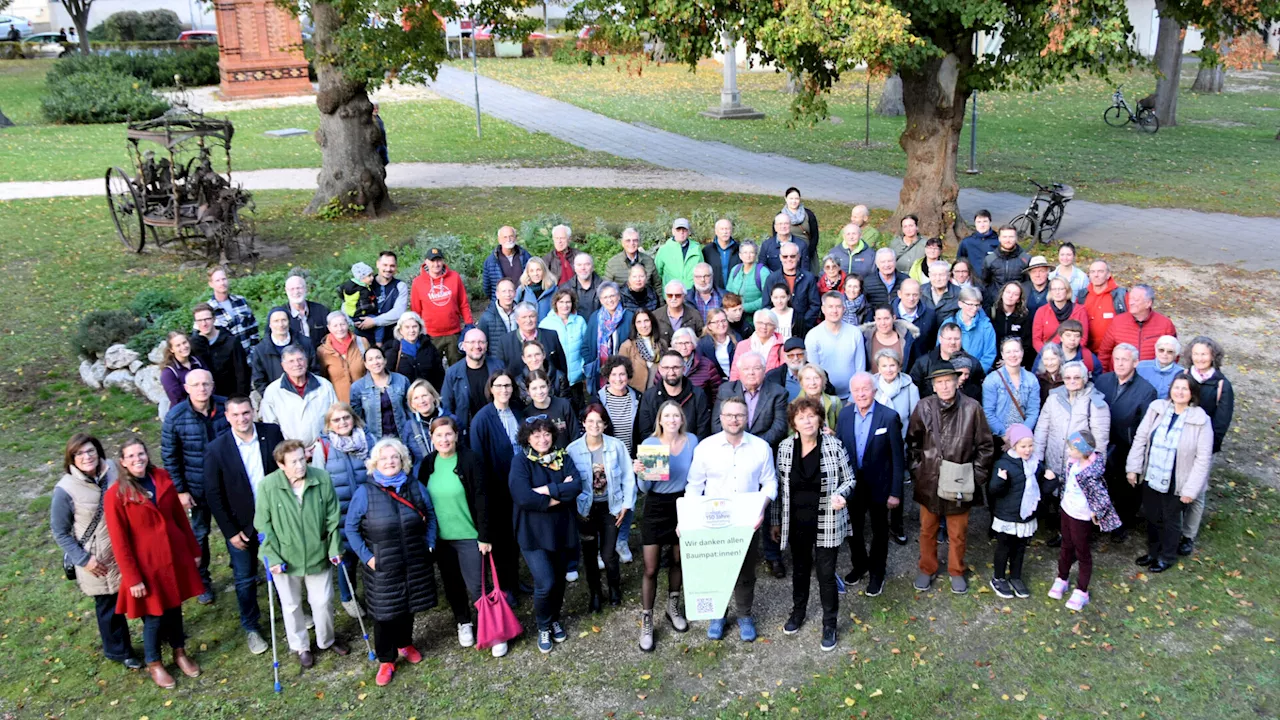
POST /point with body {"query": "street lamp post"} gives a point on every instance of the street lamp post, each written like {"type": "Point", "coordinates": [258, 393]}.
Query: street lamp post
{"type": "Point", "coordinates": [973, 124]}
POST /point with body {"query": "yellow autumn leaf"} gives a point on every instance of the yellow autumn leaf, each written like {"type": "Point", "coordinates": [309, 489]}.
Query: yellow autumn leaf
{"type": "Point", "coordinates": [878, 692]}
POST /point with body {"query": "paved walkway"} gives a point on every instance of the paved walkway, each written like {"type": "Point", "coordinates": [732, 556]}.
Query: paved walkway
{"type": "Point", "coordinates": [1156, 232]}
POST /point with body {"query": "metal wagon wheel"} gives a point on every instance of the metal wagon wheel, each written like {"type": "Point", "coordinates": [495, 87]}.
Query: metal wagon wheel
{"type": "Point", "coordinates": [127, 208]}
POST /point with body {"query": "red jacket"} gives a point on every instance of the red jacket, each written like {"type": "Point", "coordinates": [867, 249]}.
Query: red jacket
{"type": "Point", "coordinates": [441, 302]}
{"type": "Point", "coordinates": [1044, 328]}
{"type": "Point", "coordinates": [1102, 308]}
{"type": "Point", "coordinates": [154, 545]}
{"type": "Point", "coordinates": [1142, 335]}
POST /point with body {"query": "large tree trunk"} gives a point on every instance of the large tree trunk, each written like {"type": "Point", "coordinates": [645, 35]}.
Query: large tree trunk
{"type": "Point", "coordinates": [1169, 66]}
{"type": "Point", "coordinates": [1209, 79]}
{"type": "Point", "coordinates": [82, 31]}
{"type": "Point", "coordinates": [351, 173]}
{"type": "Point", "coordinates": [890, 104]}
{"type": "Point", "coordinates": [934, 99]}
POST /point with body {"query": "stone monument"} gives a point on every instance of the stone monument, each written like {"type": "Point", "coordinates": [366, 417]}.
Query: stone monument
{"type": "Point", "coordinates": [731, 107]}
{"type": "Point", "coordinates": [259, 50]}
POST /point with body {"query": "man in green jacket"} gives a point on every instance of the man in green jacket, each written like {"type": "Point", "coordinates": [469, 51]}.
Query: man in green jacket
{"type": "Point", "coordinates": [678, 256]}
{"type": "Point", "coordinates": [296, 512]}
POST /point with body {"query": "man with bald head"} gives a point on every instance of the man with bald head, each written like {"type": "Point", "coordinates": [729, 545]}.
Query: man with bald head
{"type": "Point", "coordinates": [618, 268]}
{"type": "Point", "coordinates": [462, 394]}
{"type": "Point", "coordinates": [1103, 300]}
{"type": "Point", "coordinates": [771, 248]}
{"type": "Point", "coordinates": [507, 261]}
{"type": "Point", "coordinates": [853, 254]}
{"type": "Point", "coordinates": [872, 435]}
{"type": "Point", "coordinates": [861, 217]}
{"type": "Point", "coordinates": [722, 253]}
{"type": "Point", "coordinates": [187, 430]}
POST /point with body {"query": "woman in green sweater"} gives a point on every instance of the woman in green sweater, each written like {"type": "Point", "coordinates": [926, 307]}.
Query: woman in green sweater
{"type": "Point", "coordinates": [454, 479]}
{"type": "Point", "coordinates": [748, 279]}
{"type": "Point", "coordinates": [297, 516]}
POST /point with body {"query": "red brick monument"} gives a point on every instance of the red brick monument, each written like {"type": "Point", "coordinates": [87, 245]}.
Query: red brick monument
{"type": "Point", "coordinates": [260, 50]}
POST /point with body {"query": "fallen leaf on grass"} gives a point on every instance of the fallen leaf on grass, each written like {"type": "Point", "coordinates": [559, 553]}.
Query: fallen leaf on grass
{"type": "Point", "coordinates": [877, 693]}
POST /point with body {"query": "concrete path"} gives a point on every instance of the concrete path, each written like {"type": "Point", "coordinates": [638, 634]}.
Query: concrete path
{"type": "Point", "coordinates": [432, 175]}
{"type": "Point", "coordinates": [1156, 232]}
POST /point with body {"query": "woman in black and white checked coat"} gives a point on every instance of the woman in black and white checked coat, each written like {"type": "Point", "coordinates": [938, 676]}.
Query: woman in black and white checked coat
{"type": "Point", "coordinates": [815, 480]}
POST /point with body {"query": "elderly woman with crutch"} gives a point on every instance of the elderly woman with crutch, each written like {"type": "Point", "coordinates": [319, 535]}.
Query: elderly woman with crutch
{"type": "Point", "coordinates": [296, 514]}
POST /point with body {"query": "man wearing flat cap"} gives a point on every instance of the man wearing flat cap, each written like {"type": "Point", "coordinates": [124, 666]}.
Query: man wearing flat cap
{"type": "Point", "coordinates": [949, 453]}
{"type": "Point", "coordinates": [678, 256]}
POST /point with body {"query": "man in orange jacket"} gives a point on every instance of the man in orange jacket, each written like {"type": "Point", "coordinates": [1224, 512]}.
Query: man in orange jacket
{"type": "Point", "coordinates": [439, 297]}
{"type": "Point", "coordinates": [1141, 327]}
{"type": "Point", "coordinates": [1103, 300]}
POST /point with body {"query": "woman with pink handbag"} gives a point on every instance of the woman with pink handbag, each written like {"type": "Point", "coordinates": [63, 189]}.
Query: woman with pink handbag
{"type": "Point", "coordinates": [454, 478]}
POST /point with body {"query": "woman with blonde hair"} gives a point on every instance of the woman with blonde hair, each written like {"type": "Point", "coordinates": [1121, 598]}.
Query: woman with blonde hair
{"type": "Point", "coordinates": [537, 285]}
{"type": "Point", "coordinates": [813, 383]}
{"type": "Point", "coordinates": [423, 405]}
{"type": "Point", "coordinates": [342, 451]}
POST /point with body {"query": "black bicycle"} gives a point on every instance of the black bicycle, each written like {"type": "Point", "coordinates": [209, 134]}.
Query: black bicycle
{"type": "Point", "coordinates": [1043, 226]}
{"type": "Point", "coordinates": [1119, 114]}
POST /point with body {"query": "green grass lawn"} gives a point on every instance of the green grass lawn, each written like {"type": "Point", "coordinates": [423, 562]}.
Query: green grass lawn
{"type": "Point", "coordinates": [1222, 156]}
{"type": "Point", "coordinates": [418, 131]}
{"type": "Point", "coordinates": [1195, 643]}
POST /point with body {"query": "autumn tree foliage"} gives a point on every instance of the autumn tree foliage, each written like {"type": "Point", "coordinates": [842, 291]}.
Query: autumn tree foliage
{"type": "Point", "coordinates": [929, 43]}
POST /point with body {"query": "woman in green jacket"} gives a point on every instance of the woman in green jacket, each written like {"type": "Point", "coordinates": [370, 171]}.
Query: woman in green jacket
{"type": "Point", "coordinates": [297, 516]}
{"type": "Point", "coordinates": [748, 279]}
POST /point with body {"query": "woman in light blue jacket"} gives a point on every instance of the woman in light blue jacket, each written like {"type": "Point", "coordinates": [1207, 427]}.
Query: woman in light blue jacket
{"type": "Point", "coordinates": [1004, 385]}
{"type": "Point", "coordinates": [379, 397]}
{"type": "Point", "coordinates": [572, 330]}
{"type": "Point", "coordinates": [977, 334]}
{"type": "Point", "coordinates": [608, 492]}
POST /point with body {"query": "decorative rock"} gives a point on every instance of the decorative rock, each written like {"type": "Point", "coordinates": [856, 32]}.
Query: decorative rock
{"type": "Point", "coordinates": [119, 379]}
{"type": "Point", "coordinates": [147, 381]}
{"type": "Point", "coordinates": [135, 366]}
{"type": "Point", "coordinates": [156, 356]}
{"type": "Point", "coordinates": [92, 374]}
{"type": "Point", "coordinates": [118, 357]}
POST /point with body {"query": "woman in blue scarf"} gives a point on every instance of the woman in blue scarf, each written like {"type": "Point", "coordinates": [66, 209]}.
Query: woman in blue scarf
{"type": "Point", "coordinates": [607, 329]}
{"type": "Point", "coordinates": [411, 353]}
{"type": "Point", "coordinates": [391, 526]}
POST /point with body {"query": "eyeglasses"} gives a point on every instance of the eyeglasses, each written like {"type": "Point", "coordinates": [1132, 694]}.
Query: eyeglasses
{"type": "Point", "coordinates": [733, 416]}
{"type": "Point", "coordinates": [502, 386]}
{"type": "Point", "coordinates": [91, 452]}
{"type": "Point", "coordinates": [789, 257]}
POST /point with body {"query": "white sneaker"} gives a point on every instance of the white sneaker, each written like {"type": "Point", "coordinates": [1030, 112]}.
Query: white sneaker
{"type": "Point", "coordinates": [571, 576]}
{"type": "Point", "coordinates": [499, 650]}
{"type": "Point", "coordinates": [599, 562]}
{"type": "Point", "coordinates": [466, 634]}
{"type": "Point", "coordinates": [352, 608]}
{"type": "Point", "coordinates": [310, 621]}
{"type": "Point", "coordinates": [624, 553]}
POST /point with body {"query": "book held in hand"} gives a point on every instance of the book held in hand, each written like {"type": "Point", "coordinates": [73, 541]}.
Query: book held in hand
{"type": "Point", "coordinates": [657, 462]}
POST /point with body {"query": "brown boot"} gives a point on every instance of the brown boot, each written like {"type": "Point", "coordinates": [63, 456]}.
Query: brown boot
{"type": "Point", "coordinates": [185, 664]}
{"type": "Point", "coordinates": [160, 675]}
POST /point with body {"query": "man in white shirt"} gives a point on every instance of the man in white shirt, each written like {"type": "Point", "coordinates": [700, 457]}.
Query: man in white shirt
{"type": "Point", "coordinates": [235, 462]}
{"type": "Point", "coordinates": [730, 462]}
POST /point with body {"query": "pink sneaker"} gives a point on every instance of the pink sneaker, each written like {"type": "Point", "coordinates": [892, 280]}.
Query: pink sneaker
{"type": "Point", "coordinates": [411, 654]}
{"type": "Point", "coordinates": [386, 671]}
{"type": "Point", "coordinates": [1078, 600]}
{"type": "Point", "coordinates": [1059, 587]}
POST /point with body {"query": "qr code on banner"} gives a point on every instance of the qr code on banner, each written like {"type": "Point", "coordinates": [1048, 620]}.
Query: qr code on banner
{"type": "Point", "coordinates": [704, 605]}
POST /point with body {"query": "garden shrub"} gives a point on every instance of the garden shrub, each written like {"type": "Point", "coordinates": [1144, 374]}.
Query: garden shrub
{"type": "Point", "coordinates": [197, 66]}
{"type": "Point", "coordinates": [151, 303]}
{"type": "Point", "coordinates": [132, 26]}
{"type": "Point", "coordinates": [86, 98]}
{"type": "Point", "coordinates": [463, 255]}
{"type": "Point", "coordinates": [100, 329]}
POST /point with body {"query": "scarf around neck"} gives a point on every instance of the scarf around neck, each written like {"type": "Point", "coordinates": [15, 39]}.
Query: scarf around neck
{"type": "Point", "coordinates": [408, 349]}
{"type": "Point", "coordinates": [395, 482]}
{"type": "Point", "coordinates": [357, 443]}
{"type": "Point", "coordinates": [1064, 313]}
{"type": "Point", "coordinates": [798, 217]}
{"type": "Point", "coordinates": [1030, 488]}
{"type": "Point", "coordinates": [553, 460]}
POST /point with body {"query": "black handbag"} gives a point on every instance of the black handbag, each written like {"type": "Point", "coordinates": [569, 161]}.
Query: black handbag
{"type": "Point", "coordinates": [69, 567]}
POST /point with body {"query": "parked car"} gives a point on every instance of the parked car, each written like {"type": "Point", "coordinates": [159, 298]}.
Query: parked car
{"type": "Point", "coordinates": [7, 22]}
{"type": "Point", "coordinates": [44, 45]}
{"type": "Point", "coordinates": [198, 37]}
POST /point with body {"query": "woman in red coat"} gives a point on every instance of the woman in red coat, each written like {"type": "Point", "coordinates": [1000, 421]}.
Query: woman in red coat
{"type": "Point", "coordinates": [1044, 327]}
{"type": "Point", "coordinates": [157, 555]}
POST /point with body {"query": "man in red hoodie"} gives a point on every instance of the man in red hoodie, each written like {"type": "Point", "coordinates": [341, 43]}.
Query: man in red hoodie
{"type": "Point", "coordinates": [1141, 327]}
{"type": "Point", "coordinates": [1103, 300]}
{"type": "Point", "coordinates": [439, 297]}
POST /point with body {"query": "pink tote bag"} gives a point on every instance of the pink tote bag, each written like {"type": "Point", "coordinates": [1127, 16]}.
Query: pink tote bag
{"type": "Point", "coordinates": [496, 621]}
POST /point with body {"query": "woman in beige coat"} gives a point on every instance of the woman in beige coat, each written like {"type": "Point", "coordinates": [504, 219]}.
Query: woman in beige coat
{"type": "Point", "coordinates": [79, 528]}
{"type": "Point", "coordinates": [340, 358]}
{"type": "Point", "coordinates": [1172, 452]}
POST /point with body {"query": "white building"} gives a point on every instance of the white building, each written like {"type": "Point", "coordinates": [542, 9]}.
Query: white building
{"type": "Point", "coordinates": [49, 15]}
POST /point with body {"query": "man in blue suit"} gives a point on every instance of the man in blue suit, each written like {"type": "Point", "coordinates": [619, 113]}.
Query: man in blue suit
{"type": "Point", "coordinates": [872, 435]}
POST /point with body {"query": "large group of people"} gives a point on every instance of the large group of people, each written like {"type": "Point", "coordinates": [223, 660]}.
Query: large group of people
{"type": "Point", "coordinates": [370, 445]}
